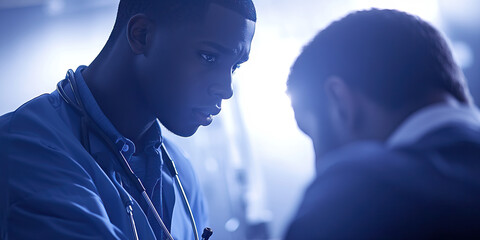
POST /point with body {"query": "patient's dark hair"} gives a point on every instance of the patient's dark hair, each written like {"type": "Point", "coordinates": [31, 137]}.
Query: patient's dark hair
{"type": "Point", "coordinates": [176, 11]}
{"type": "Point", "coordinates": [394, 58]}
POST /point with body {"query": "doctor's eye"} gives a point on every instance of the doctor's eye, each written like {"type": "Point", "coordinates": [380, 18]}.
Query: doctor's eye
{"type": "Point", "coordinates": [209, 58]}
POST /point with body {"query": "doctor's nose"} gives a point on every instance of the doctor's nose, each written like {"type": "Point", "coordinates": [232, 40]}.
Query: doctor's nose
{"type": "Point", "coordinates": [222, 90]}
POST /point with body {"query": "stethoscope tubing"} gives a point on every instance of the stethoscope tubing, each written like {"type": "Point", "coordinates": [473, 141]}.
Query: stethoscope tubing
{"type": "Point", "coordinates": [180, 186]}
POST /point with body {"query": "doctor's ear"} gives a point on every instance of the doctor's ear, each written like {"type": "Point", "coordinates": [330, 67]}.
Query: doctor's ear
{"type": "Point", "coordinates": [342, 103]}
{"type": "Point", "coordinates": [139, 30]}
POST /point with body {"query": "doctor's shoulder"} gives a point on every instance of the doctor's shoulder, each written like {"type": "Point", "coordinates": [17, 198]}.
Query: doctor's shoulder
{"type": "Point", "coordinates": [39, 140]}
{"type": "Point", "coordinates": [40, 120]}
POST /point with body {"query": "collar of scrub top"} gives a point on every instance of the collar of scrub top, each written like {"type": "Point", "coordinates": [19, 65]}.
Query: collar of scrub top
{"type": "Point", "coordinates": [152, 140]}
{"type": "Point", "coordinates": [91, 107]}
{"type": "Point", "coordinates": [123, 144]}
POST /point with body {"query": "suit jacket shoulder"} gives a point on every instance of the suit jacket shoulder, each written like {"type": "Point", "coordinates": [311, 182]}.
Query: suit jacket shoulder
{"type": "Point", "coordinates": [365, 190]}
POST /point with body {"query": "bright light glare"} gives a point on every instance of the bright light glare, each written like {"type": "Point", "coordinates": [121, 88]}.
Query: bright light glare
{"type": "Point", "coordinates": [463, 13]}
{"type": "Point", "coordinates": [462, 53]}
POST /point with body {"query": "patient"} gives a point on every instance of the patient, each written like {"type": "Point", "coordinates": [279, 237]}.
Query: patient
{"type": "Point", "coordinates": [395, 132]}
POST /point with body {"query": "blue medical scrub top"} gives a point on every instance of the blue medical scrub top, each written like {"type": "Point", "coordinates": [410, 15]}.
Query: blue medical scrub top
{"type": "Point", "coordinates": [53, 188]}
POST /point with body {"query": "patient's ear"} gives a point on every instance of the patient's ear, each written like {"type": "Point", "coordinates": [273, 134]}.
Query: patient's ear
{"type": "Point", "coordinates": [343, 106]}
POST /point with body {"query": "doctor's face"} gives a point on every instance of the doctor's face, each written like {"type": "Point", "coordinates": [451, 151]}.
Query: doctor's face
{"type": "Point", "coordinates": [189, 71]}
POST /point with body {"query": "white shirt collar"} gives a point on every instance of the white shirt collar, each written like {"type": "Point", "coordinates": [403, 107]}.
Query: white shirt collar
{"type": "Point", "coordinates": [431, 118]}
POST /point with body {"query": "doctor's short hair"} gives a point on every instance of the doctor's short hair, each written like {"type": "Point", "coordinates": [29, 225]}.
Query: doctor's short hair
{"type": "Point", "coordinates": [393, 58]}
{"type": "Point", "coordinates": [176, 11]}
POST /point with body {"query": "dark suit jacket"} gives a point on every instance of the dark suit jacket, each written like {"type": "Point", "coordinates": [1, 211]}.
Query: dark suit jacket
{"type": "Point", "coordinates": [430, 189]}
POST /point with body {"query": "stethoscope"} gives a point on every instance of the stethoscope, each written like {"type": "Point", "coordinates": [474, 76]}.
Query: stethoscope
{"type": "Point", "coordinates": [87, 122]}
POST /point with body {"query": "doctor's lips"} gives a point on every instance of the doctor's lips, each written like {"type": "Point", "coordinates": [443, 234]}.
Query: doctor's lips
{"type": "Point", "coordinates": [204, 115]}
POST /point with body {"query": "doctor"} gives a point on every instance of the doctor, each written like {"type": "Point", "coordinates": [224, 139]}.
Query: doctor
{"type": "Point", "coordinates": [166, 62]}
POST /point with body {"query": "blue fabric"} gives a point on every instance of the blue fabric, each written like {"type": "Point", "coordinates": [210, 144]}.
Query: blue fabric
{"type": "Point", "coordinates": [426, 190]}
{"type": "Point", "coordinates": [147, 163]}
{"type": "Point", "coordinates": [55, 189]}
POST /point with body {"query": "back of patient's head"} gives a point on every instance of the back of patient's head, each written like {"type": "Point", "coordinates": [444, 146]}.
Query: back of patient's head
{"type": "Point", "coordinates": [175, 12]}
{"type": "Point", "coordinates": [395, 59]}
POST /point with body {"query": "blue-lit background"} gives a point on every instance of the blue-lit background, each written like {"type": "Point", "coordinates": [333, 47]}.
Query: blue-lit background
{"type": "Point", "coordinates": [253, 162]}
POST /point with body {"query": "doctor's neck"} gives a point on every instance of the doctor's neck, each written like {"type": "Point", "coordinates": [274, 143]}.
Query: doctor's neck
{"type": "Point", "coordinates": [109, 78]}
